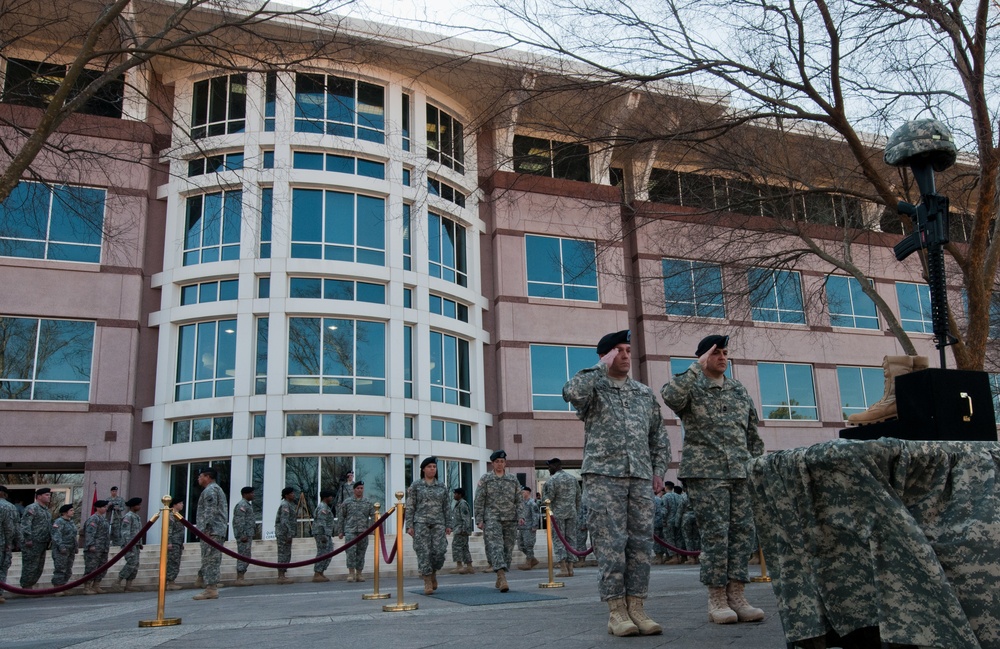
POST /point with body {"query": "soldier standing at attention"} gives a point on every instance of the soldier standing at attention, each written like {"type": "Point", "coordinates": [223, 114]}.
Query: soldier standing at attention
{"type": "Point", "coordinates": [244, 526]}
{"type": "Point", "coordinates": [64, 545]}
{"type": "Point", "coordinates": [498, 502]}
{"type": "Point", "coordinates": [564, 492]}
{"type": "Point", "coordinates": [625, 454]}
{"type": "Point", "coordinates": [116, 511]}
{"type": "Point", "coordinates": [284, 530]}
{"type": "Point", "coordinates": [8, 535]}
{"type": "Point", "coordinates": [323, 529]}
{"type": "Point", "coordinates": [527, 528]}
{"type": "Point", "coordinates": [428, 521]}
{"type": "Point", "coordinates": [213, 520]}
{"type": "Point", "coordinates": [356, 515]}
{"type": "Point", "coordinates": [175, 543]}
{"type": "Point", "coordinates": [720, 436]}
{"type": "Point", "coordinates": [96, 544]}
{"type": "Point", "coordinates": [461, 528]}
{"type": "Point", "coordinates": [36, 532]}
{"type": "Point", "coordinates": [131, 526]}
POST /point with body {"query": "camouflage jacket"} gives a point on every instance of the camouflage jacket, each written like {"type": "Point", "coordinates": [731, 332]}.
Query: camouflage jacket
{"type": "Point", "coordinates": [213, 511]}
{"type": "Point", "coordinates": [356, 515]}
{"type": "Point", "coordinates": [498, 498]}
{"type": "Point", "coordinates": [461, 516]}
{"type": "Point", "coordinates": [9, 527]}
{"type": "Point", "coordinates": [97, 533]}
{"type": "Point", "coordinates": [175, 532]}
{"type": "Point", "coordinates": [624, 436]}
{"type": "Point", "coordinates": [244, 520]}
{"type": "Point", "coordinates": [36, 524]}
{"type": "Point", "coordinates": [564, 492]}
{"type": "Point", "coordinates": [116, 510]}
{"type": "Point", "coordinates": [659, 510]}
{"type": "Point", "coordinates": [529, 513]}
{"type": "Point", "coordinates": [64, 535]}
{"type": "Point", "coordinates": [284, 521]}
{"type": "Point", "coordinates": [428, 503]}
{"type": "Point", "coordinates": [131, 524]}
{"type": "Point", "coordinates": [672, 509]}
{"type": "Point", "coordinates": [720, 425]}
{"type": "Point", "coordinates": [323, 523]}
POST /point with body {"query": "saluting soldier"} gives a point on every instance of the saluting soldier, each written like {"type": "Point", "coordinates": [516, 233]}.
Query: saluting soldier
{"type": "Point", "coordinates": [175, 543]}
{"type": "Point", "coordinates": [356, 515]}
{"type": "Point", "coordinates": [284, 530]}
{"type": "Point", "coordinates": [36, 533]}
{"type": "Point", "coordinates": [64, 546]}
{"type": "Point", "coordinates": [244, 526]}
{"type": "Point", "coordinates": [498, 503]}
{"type": "Point", "coordinates": [323, 529]}
{"type": "Point", "coordinates": [131, 527]}
{"type": "Point", "coordinates": [96, 544]}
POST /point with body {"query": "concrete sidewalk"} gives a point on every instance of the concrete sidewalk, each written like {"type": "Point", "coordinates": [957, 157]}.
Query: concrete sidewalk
{"type": "Point", "coordinates": [306, 615]}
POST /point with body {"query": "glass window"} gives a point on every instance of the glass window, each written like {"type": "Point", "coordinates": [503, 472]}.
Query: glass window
{"type": "Point", "coordinates": [664, 186]}
{"type": "Point", "coordinates": [448, 308]}
{"type": "Point", "coordinates": [270, 100]}
{"type": "Point", "coordinates": [212, 230]}
{"type": "Point", "coordinates": [693, 288]}
{"type": "Point", "coordinates": [339, 106]}
{"type": "Point", "coordinates": [551, 367]}
{"type": "Point", "coordinates": [309, 475]}
{"type": "Point", "coordinates": [259, 425]}
{"type": "Point", "coordinates": [786, 391]}
{"type": "Point", "coordinates": [450, 431]}
{"type": "Point", "coordinates": [338, 226]}
{"type": "Point", "coordinates": [860, 387]}
{"type": "Point", "coordinates": [313, 424]}
{"type": "Point", "coordinates": [914, 307]}
{"type": "Point", "coordinates": [450, 378]}
{"type": "Point", "coordinates": [264, 287]}
{"type": "Point", "coordinates": [206, 360]}
{"type": "Point", "coordinates": [408, 361]}
{"type": "Point", "coordinates": [266, 211]}
{"type": "Point", "coordinates": [541, 157]}
{"type": "Point", "coordinates": [260, 361]}
{"type": "Point", "coordinates": [445, 139]}
{"type": "Point", "coordinates": [336, 356]}
{"type": "Point", "coordinates": [184, 480]}
{"type": "Point", "coordinates": [407, 254]}
{"type": "Point", "coordinates": [775, 296]}
{"type": "Point", "coordinates": [405, 123]}
{"type": "Point", "coordinates": [408, 427]}
{"type": "Point", "coordinates": [849, 306]}
{"type": "Point", "coordinates": [45, 360]}
{"type": "Point", "coordinates": [338, 163]}
{"type": "Point", "coordinates": [219, 106]}
{"type": "Point", "coordinates": [561, 268]}
{"type": "Point", "coordinates": [58, 222]}
{"type": "Point", "coordinates": [32, 83]}
{"type": "Point", "coordinates": [336, 289]}
{"type": "Point", "coordinates": [221, 291]}
{"type": "Point", "coordinates": [446, 250]}
{"type": "Point", "coordinates": [215, 164]}
{"type": "Point", "coordinates": [202, 429]}
{"type": "Point", "coordinates": [444, 190]}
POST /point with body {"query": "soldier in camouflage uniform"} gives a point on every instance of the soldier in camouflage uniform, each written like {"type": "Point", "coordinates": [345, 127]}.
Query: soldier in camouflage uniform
{"type": "Point", "coordinates": [564, 492]}
{"type": "Point", "coordinates": [323, 529]}
{"type": "Point", "coordinates": [428, 521]}
{"type": "Point", "coordinates": [284, 530]}
{"type": "Point", "coordinates": [213, 520]}
{"type": "Point", "coordinates": [659, 516]}
{"type": "Point", "coordinates": [116, 511]}
{"type": "Point", "coordinates": [461, 521]}
{"type": "Point", "coordinates": [244, 527]}
{"type": "Point", "coordinates": [720, 437]}
{"type": "Point", "coordinates": [527, 529]}
{"type": "Point", "coordinates": [36, 533]}
{"type": "Point", "coordinates": [175, 543]}
{"type": "Point", "coordinates": [497, 506]}
{"type": "Point", "coordinates": [671, 523]}
{"type": "Point", "coordinates": [96, 544]}
{"type": "Point", "coordinates": [690, 535]}
{"type": "Point", "coordinates": [64, 545]}
{"type": "Point", "coordinates": [356, 515]}
{"type": "Point", "coordinates": [626, 451]}
{"type": "Point", "coordinates": [9, 530]}
{"type": "Point", "coordinates": [131, 526]}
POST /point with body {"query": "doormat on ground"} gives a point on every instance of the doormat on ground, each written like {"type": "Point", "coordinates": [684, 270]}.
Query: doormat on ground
{"type": "Point", "coordinates": [482, 595]}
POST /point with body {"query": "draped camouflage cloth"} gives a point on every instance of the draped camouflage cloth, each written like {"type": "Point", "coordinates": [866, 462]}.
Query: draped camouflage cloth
{"type": "Point", "coordinates": [890, 533]}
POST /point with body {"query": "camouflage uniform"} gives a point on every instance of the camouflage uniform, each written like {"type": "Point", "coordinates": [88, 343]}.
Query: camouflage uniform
{"type": "Point", "coordinates": [64, 545]}
{"type": "Point", "coordinates": [36, 530]}
{"type": "Point", "coordinates": [688, 525]}
{"type": "Point", "coordinates": [498, 500]}
{"type": "Point", "coordinates": [461, 516]}
{"type": "Point", "coordinates": [96, 543]}
{"type": "Point", "coordinates": [671, 522]}
{"type": "Point", "coordinates": [244, 527]}
{"type": "Point", "coordinates": [564, 492]}
{"type": "Point", "coordinates": [356, 515]}
{"type": "Point", "coordinates": [175, 538]}
{"type": "Point", "coordinates": [131, 525]}
{"type": "Point", "coordinates": [659, 523]}
{"type": "Point", "coordinates": [213, 520]}
{"type": "Point", "coordinates": [720, 436]}
{"type": "Point", "coordinates": [323, 529]}
{"type": "Point", "coordinates": [582, 531]}
{"type": "Point", "coordinates": [284, 529]}
{"type": "Point", "coordinates": [116, 511]}
{"type": "Point", "coordinates": [625, 446]}
{"type": "Point", "coordinates": [428, 515]}
{"type": "Point", "coordinates": [9, 531]}
{"type": "Point", "coordinates": [527, 531]}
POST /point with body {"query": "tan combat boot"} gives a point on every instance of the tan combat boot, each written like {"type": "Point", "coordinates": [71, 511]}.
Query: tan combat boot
{"type": "Point", "coordinates": [241, 579]}
{"type": "Point", "coordinates": [129, 588]}
{"type": "Point", "coordinates": [88, 588]}
{"type": "Point", "coordinates": [634, 606]}
{"type": "Point", "coordinates": [210, 592]}
{"type": "Point", "coordinates": [738, 602]}
{"type": "Point", "coordinates": [524, 566]}
{"type": "Point", "coordinates": [428, 585]}
{"type": "Point", "coordinates": [468, 569]}
{"type": "Point", "coordinates": [569, 568]}
{"type": "Point", "coordinates": [457, 570]}
{"type": "Point", "coordinates": [563, 569]}
{"type": "Point", "coordinates": [359, 577]}
{"type": "Point", "coordinates": [97, 587]}
{"type": "Point", "coordinates": [502, 581]}
{"type": "Point", "coordinates": [718, 607]}
{"type": "Point", "coordinates": [171, 585]}
{"type": "Point", "coordinates": [619, 622]}
{"type": "Point", "coordinates": [282, 579]}
{"type": "Point", "coordinates": [199, 582]}
{"type": "Point", "coordinates": [319, 577]}
{"type": "Point", "coordinates": [674, 560]}
{"type": "Point", "coordinates": [885, 408]}
{"type": "Point", "coordinates": [350, 575]}
{"type": "Point", "coordinates": [532, 562]}
{"type": "Point", "coordinates": [434, 579]}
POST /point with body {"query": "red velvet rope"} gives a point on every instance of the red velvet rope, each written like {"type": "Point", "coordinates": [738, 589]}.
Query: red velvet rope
{"type": "Point", "coordinates": [686, 553]}
{"type": "Point", "coordinates": [73, 584]}
{"type": "Point", "coordinates": [271, 564]}
{"type": "Point", "coordinates": [569, 548]}
{"type": "Point", "coordinates": [388, 557]}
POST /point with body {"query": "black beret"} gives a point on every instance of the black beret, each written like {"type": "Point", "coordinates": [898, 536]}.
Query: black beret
{"type": "Point", "coordinates": [65, 508]}
{"type": "Point", "coordinates": [721, 342]}
{"type": "Point", "coordinates": [610, 341]}
{"type": "Point", "coordinates": [114, 488]}
{"type": "Point", "coordinates": [498, 454]}
{"type": "Point", "coordinates": [526, 488]}
{"type": "Point", "coordinates": [100, 503]}
{"type": "Point", "coordinates": [428, 460]}
{"type": "Point", "coordinates": [344, 477]}
{"type": "Point", "coordinates": [177, 501]}
{"type": "Point", "coordinates": [286, 491]}
{"type": "Point", "coordinates": [209, 471]}
{"type": "Point", "coordinates": [132, 502]}
{"type": "Point", "coordinates": [246, 490]}
{"type": "Point", "coordinates": [359, 483]}
{"type": "Point", "coordinates": [326, 493]}
{"type": "Point", "coordinates": [554, 460]}
{"type": "Point", "coordinates": [459, 491]}
{"type": "Point", "coordinates": [42, 491]}
{"type": "Point", "coordinates": [3, 489]}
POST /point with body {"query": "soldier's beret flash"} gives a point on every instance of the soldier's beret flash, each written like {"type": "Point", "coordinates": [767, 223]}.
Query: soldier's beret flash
{"type": "Point", "coordinates": [359, 483]}
{"type": "Point", "coordinates": [428, 460]}
{"type": "Point", "coordinates": [498, 455]}
{"type": "Point", "coordinates": [132, 502]}
{"type": "Point", "coordinates": [100, 503]}
{"type": "Point", "coordinates": [42, 491]}
{"type": "Point", "coordinates": [721, 342]}
{"type": "Point", "coordinates": [611, 341]}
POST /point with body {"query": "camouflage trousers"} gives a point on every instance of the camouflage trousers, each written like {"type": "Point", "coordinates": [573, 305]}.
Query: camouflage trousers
{"type": "Point", "coordinates": [92, 560]}
{"type": "Point", "coordinates": [6, 556]}
{"type": "Point", "coordinates": [620, 521]}
{"type": "Point", "coordinates": [559, 551]}
{"type": "Point", "coordinates": [32, 564]}
{"type": "Point", "coordinates": [131, 567]}
{"type": "Point", "coordinates": [499, 537]}
{"type": "Point", "coordinates": [174, 553]}
{"type": "Point", "coordinates": [211, 562]}
{"type": "Point", "coordinates": [430, 544]}
{"type": "Point", "coordinates": [356, 555]}
{"type": "Point", "coordinates": [660, 531]}
{"type": "Point", "coordinates": [460, 548]}
{"type": "Point", "coordinates": [674, 537]}
{"type": "Point", "coordinates": [244, 548]}
{"type": "Point", "coordinates": [324, 544]}
{"type": "Point", "coordinates": [725, 520]}
{"type": "Point", "coordinates": [526, 542]}
{"type": "Point", "coordinates": [62, 567]}
{"type": "Point", "coordinates": [284, 550]}
{"type": "Point", "coordinates": [690, 537]}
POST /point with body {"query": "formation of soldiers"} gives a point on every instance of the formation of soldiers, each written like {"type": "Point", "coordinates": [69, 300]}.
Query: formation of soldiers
{"type": "Point", "coordinates": [675, 523]}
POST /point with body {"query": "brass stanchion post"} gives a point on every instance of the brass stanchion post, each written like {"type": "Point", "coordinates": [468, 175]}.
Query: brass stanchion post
{"type": "Point", "coordinates": [378, 551]}
{"type": "Point", "coordinates": [763, 568]}
{"type": "Point", "coordinates": [162, 590]}
{"type": "Point", "coordinates": [399, 605]}
{"type": "Point", "coordinates": [548, 542]}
